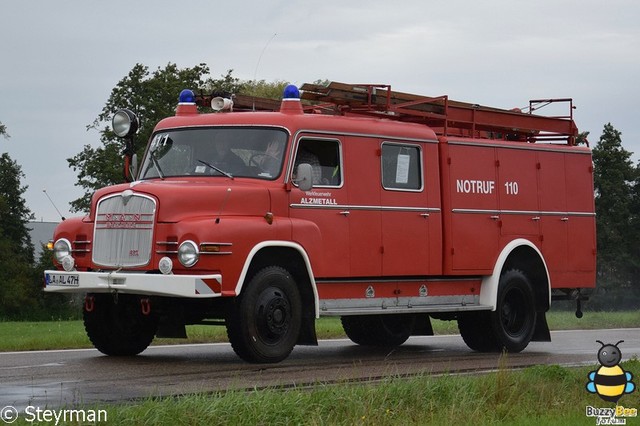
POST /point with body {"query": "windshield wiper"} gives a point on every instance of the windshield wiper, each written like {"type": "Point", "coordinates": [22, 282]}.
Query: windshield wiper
{"type": "Point", "coordinates": [216, 169]}
{"type": "Point", "coordinates": [155, 163]}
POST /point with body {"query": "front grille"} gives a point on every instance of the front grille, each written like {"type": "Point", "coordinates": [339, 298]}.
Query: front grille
{"type": "Point", "coordinates": [124, 230]}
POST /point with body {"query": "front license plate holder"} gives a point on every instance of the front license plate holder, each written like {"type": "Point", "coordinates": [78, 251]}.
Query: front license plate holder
{"type": "Point", "coordinates": [62, 280]}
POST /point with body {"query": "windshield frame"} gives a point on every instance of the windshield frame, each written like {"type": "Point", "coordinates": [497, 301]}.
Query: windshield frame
{"type": "Point", "coordinates": [255, 152]}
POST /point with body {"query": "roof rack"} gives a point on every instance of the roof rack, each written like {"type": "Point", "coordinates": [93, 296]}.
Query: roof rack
{"type": "Point", "coordinates": [444, 116]}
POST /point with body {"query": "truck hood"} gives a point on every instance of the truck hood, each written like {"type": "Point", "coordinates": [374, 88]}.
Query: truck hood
{"type": "Point", "coordinates": [178, 199]}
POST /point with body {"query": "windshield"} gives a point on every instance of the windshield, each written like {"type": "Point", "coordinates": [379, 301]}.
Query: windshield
{"type": "Point", "coordinates": [223, 151]}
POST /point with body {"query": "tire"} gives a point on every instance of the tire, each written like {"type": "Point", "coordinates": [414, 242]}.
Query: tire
{"type": "Point", "coordinates": [264, 323]}
{"type": "Point", "coordinates": [514, 319]}
{"type": "Point", "coordinates": [476, 331]}
{"type": "Point", "coordinates": [378, 330]}
{"type": "Point", "coordinates": [119, 329]}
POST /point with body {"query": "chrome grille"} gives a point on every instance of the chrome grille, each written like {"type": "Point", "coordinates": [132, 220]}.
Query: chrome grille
{"type": "Point", "coordinates": [124, 230]}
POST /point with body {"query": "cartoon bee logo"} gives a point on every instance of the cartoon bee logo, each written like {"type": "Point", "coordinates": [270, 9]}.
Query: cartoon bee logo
{"type": "Point", "coordinates": [610, 381]}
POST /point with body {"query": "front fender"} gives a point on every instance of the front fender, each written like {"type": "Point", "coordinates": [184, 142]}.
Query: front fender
{"type": "Point", "coordinates": [281, 244]}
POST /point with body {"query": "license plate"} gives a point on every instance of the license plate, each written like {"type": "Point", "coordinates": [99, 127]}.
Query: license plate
{"type": "Point", "coordinates": [62, 280]}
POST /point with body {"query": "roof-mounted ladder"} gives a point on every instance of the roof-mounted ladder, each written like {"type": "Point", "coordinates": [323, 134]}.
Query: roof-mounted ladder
{"type": "Point", "coordinates": [444, 116]}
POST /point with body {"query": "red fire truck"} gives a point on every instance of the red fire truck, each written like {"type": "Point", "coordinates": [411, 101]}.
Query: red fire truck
{"type": "Point", "coordinates": [380, 207]}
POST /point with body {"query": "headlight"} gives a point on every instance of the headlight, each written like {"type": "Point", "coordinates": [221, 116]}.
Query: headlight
{"type": "Point", "coordinates": [125, 123]}
{"type": "Point", "coordinates": [61, 248]}
{"type": "Point", "coordinates": [188, 253]}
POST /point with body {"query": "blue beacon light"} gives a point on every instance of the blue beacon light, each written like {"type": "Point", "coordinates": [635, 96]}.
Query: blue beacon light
{"type": "Point", "coordinates": [187, 103]}
{"type": "Point", "coordinates": [187, 97]}
{"type": "Point", "coordinates": [291, 100]}
{"type": "Point", "coordinates": [291, 92]}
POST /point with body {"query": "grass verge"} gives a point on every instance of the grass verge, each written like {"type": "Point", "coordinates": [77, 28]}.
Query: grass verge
{"type": "Point", "coordinates": [549, 395]}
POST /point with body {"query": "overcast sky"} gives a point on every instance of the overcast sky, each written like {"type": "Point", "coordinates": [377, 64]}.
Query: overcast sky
{"type": "Point", "coordinates": [60, 59]}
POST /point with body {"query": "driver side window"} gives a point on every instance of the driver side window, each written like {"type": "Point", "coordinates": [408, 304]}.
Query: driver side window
{"type": "Point", "coordinates": [324, 156]}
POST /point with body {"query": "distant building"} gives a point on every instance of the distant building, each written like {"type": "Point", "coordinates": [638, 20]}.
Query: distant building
{"type": "Point", "coordinates": [41, 233]}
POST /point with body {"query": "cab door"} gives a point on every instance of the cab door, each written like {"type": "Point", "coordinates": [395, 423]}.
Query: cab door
{"type": "Point", "coordinates": [318, 216]}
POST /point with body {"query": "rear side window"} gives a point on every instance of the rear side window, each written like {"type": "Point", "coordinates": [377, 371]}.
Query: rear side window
{"type": "Point", "coordinates": [401, 167]}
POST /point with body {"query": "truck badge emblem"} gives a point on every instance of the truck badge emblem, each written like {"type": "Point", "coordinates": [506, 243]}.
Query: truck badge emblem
{"type": "Point", "coordinates": [126, 196]}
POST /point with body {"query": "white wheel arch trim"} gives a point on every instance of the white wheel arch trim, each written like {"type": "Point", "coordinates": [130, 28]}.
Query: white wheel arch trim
{"type": "Point", "coordinates": [489, 287]}
{"type": "Point", "coordinates": [276, 243]}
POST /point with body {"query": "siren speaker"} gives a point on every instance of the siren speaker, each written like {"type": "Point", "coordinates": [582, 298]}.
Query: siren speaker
{"type": "Point", "coordinates": [218, 103]}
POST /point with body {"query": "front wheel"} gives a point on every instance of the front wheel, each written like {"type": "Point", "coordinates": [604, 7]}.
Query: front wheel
{"type": "Point", "coordinates": [514, 319]}
{"type": "Point", "coordinates": [116, 325]}
{"type": "Point", "coordinates": [264, 323]}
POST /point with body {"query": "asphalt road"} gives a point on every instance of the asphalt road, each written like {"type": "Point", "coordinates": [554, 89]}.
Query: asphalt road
{"type": "Point", "coordinates": [76, 377]}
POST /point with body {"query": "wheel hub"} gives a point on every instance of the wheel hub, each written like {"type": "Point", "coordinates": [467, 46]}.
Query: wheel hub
{"type": "Point", "coordinates": [274, 314]}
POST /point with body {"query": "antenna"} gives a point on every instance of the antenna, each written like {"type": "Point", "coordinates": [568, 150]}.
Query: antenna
{"type": "Point", "coordinates": [255, 73]}
{"type": "Point", "coordinates": [224, 202]}
{"type": "Point", "coordinates": [52, 203]}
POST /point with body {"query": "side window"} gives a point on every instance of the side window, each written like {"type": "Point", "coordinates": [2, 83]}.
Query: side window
{"type": "Point", "coordinates": [324, 157]}
{"type": "Point", "coordinates": [401, 167]}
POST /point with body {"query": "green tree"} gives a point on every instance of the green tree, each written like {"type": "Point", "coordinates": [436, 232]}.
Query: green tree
{"type": "Point", "coordinates": [3, 130]}
{"type": "Point", "coordinates": [16, 249]}
{"type": "Point", "coordinates": [634, 237]}
{"type": "Point", "coordinates": [614, 179]}
{"type": "Point", "coordinates": [265, 89]}
{"type": "Point", "coordinates": [14, 212]}
{"type": "Point", "coordinates": [152, 96]}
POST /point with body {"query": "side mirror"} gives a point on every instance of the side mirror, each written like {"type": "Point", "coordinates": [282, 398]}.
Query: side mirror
{"type": "Point", "coordinates": [133, 166]}
{"type": "Point", "coordinates": [304, 177]}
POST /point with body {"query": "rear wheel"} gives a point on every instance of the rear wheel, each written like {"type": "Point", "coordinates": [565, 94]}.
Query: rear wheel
{"type": "Point", "coordinates": [510, 327]}
{"type": "Point", "coordinates": [378, 330]}
{"type": "Point", "coordinates": [514, 319]}
{"type": "Point", "coordinates": [117, 326]}
{"type": "Point", "coordinates": [264, 324]}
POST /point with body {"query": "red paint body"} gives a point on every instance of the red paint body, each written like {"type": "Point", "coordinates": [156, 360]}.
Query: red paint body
{"type": "Point", "coordinates": [428, 241]}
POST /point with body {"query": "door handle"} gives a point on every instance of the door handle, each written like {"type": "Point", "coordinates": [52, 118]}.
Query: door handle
{"type": "Point", "coordinates": [345, 212]}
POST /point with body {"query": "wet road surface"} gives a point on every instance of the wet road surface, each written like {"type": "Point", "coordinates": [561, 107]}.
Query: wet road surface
{"type": "Point", "coordinates": [78, 377]}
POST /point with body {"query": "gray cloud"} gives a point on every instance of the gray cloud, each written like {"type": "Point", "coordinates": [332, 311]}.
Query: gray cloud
{"type": "Point", "coordinates": [60, 60]}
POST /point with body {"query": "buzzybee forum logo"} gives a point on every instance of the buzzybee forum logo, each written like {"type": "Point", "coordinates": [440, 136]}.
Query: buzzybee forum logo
{"type": "Point", "coordinates": [610, 382]}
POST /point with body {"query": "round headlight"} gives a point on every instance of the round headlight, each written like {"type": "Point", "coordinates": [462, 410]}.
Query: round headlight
{"type": "Point", "coordinates": [125, 123]}
{"type": "Point", "coordinates": [61, 249]}
{"type": "Point", "coordinates": [188, 253]}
